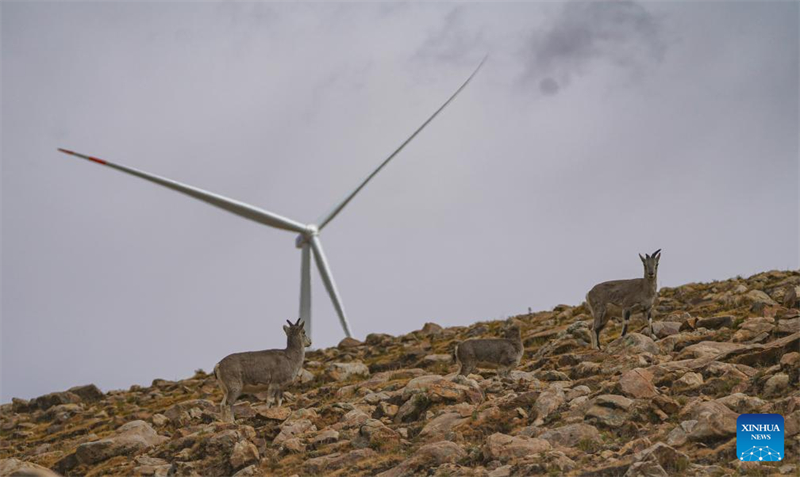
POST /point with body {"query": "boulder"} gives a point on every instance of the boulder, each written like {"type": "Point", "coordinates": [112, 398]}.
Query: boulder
{"type": "Point", "coordinates": [440, 426]}
{"type": "Point", "coordinates": [646, 469]}
{"type": "Point", "coordinates": [20, 468]}
{"type": "Point", "coordinates": [345, 371]}
{"type": "Point", "coordinates": [503, 447]}
{"type": "Point", "coordinates": [87, 393]}
{"type": "Point", "coordinates": [638, 383]}
{"type": "Point", "coordinates": [244, 453]}
{"type": "Point", "coordinates": [431, 329]}
{"type": "Point", "coordinates": [662, 329]}
{"type": "Point", "coordinates": [708, 349]}
{"type": "Point", "coordinates": [440, 389]}
{"type": "Point", "coordinates": [328, 463]}
{"type": "Point", "coordinates": [687, 382]}
{"type": "Point", "coordinates": [714, 422]}
{"type": "Point", "coordinates": [354, 418]}
{"type": "Point", "coordinates": [788, 326]}
{"type": "Point", "coordinates": [754, 329]}
{"type": "Point", "coordinates": [742, 403]}
{"type": "Point", "coordinates": [53, 399]}
{"type": "Point", "coordinates": [272, 413]}
{"type": "Point", "coordinates": [547, 402]}
{"type": "Point", "coordinates": [679, 435]}
{"type": "Point", "coordinates": [609, 410]}
{"type": "Point", "coordinates": [151, 467]}
{"type": "Point", "coordinates": [294, 428]}
{"type": "Point", "coordinates": [185, 412]}
{"type": "Point", "coordinates": [349, 342]}
{"type": "Point", "coordinates": [776, 385]}
{"type": "Point", "coordinates": [665, 456]}
{"type": "Point", "coordinates": [758, 297]}
{"type": "Point", "coordinates": [715, 322]}
{"type": "Point", "coordinates": [131, 437]}
{"type": "Point", "coordinates": [763, 354]}
{"type": "Point", "coordinates": [571, 434]}
{"type": "Point", "coordinates": [378, 435]}
{"type": "Point", "coordinates": [633, 343]}
{"type": "Point", "coordinates": [426, 457]}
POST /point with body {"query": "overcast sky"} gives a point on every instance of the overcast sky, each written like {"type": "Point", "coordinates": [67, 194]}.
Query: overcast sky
{"type": "Point", "coordinates": [593, 133]}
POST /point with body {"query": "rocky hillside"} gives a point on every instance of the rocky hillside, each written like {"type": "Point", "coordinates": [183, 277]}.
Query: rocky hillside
{"type": "Point", "coordinates": [390, 406]}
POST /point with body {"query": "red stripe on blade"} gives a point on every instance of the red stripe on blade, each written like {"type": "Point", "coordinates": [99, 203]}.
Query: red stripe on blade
{"type": "Point", "coordinates": [99, 161]}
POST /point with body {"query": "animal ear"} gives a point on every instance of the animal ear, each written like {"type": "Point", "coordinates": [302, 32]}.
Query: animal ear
{"type": "Point", "coordinates": [303, 325]}
{"type": "Point", "coordinates": [640, 256]}
{"type": "Point", "coordinates": [286, 329]}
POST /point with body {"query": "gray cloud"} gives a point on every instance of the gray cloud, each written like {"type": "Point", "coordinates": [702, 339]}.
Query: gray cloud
{"type": "Point", "coordinates": [621, 33]}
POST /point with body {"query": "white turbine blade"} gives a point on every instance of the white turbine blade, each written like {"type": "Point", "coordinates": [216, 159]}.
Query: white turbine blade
{"type": "Point", "coordinates": [305, 288]}
{"type": "Point", "coordinates": [327, 279]}
{"type": "Point", "coordinates": [239, 208]}
{"type": "Point", "coordinates": [335, 211]}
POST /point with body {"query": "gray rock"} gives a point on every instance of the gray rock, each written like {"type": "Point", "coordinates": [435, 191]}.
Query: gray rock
{"type": "Point", "coordinates": [345, 371]}
{"type": "Point", "coordinates": [130, 438]}
{"type": "Point", "coordinates": [570, 435]}
{"type": "Point", "coordinates": [633, 343]}
{"type": "Point", "coordinates": [503, 447]}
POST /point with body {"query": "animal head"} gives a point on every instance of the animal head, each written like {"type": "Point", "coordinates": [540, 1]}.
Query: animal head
{"type": "Point", "coordinates": [513, 332]}
{"type": "Point", "coordinates": [650, 263]}
{"type": "Point", "coordinates": [297, 329]}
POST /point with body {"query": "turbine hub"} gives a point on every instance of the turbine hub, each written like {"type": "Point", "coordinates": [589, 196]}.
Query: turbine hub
{"type": "Point", "coordinates": [305, 237]}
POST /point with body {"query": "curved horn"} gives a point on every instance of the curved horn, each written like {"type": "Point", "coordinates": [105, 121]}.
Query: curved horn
{"type": "Point", "coordinates": [656, 252]}
{"type": "Point", "coordinates": [297, 322]}
{"type": "Point", "coordinates": [290, 323]}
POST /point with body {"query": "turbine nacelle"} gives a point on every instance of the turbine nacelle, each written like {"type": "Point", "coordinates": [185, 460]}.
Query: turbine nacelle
{"type": "Point", "coordinates": [305, 237]}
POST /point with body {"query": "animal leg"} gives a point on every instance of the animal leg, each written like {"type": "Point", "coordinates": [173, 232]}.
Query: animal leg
{"type": "Point", "coordinates": [233, 395]}
{"type": "Point", "coordinates": [650, 323]}
{"type": "Point", "coordinates": [223, 406]}
{"type": "Point", "coordinates": [270, 395]}
{"type": "Point", "coordinates": [279, 395]}
{"type": "Point", "coordinates": [598, 325]}
{"type": "Point", "coordinates": [626, 315]}
{"type": "Point", "coordinates": [466, 369]}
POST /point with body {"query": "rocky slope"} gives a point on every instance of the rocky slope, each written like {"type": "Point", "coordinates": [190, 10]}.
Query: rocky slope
{"type": "Point", "coordinates": [391, 407]}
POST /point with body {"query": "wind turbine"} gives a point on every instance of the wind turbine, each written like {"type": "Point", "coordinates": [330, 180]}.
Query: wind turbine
{"type": "Point", "coordinates": [308, 240]}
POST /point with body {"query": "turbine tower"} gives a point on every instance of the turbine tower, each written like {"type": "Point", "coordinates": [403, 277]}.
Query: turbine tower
{"type": "Point", "coordinates": [308, 240]}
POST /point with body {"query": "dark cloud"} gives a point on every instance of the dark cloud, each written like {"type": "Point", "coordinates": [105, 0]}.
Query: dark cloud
{"type": "Point", "coordinates": [622, 33]}
{"type": "Point", "coordinates": [455, 41]}
{"type": "Point", "coordinates": [549, 86]}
